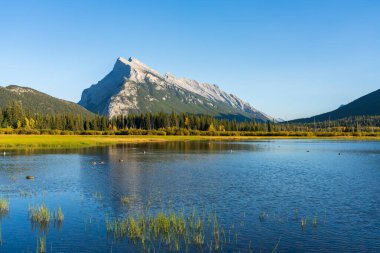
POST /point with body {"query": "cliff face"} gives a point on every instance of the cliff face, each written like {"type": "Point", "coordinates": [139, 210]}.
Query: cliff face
{"type": "Point", "coordinates": [133, 87]}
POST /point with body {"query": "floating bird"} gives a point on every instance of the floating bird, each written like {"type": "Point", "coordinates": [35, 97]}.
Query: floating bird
{"type": "Point", "coordinates": [144, 152]}
{"type": "Point", "coordinates": [5, 153]}
{"type": "Point", "coordinates": [93, 163]}
{"type": "Point", "coordinates": [121, 160]}
{"type": "Point", "coordinates": [29, 177]}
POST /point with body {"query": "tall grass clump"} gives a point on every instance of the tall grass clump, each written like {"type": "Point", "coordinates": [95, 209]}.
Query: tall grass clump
{"type": "Point", "coordinates": [175, 231]}
{"type": "Point", "coordinates": [4, 206]}
{"type": "Point", "coordinates": [40, 216]}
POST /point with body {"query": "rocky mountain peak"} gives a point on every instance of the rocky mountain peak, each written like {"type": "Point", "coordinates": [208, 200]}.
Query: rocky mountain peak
{"type": "Point", "coordinates": [134, 87]}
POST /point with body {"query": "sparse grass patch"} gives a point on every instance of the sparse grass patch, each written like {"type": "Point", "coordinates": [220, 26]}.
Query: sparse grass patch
{"type": "Point", "coordinates": [4, 206]}
{"type": "Point", "coordinates": [174, 230]}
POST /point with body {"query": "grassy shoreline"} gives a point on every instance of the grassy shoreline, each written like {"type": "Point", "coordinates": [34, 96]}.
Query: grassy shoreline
{"type": "Point", "coordinates": [81, 141]}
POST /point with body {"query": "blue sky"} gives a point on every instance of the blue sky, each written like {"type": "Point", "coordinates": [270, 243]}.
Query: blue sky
{"type": "Point", "coordinates": [287, 58]}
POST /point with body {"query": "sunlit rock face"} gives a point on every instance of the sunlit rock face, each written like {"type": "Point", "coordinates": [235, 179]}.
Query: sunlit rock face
{"type": "Point", "coordinates": [134, 87]}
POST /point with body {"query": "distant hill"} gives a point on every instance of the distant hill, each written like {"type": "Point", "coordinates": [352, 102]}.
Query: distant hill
{"type": "Point", "coordinates": [38, 102]}
{"type": "Point", "coordinates": [133, 87]}
{"type": "Point", "coordinates": [367, 105]}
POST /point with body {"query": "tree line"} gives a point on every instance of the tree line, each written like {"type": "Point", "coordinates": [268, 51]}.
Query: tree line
{"type": "Point", "coordinates": [14, 116]}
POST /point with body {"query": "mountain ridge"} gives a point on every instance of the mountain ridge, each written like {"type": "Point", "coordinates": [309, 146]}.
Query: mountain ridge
{"type": "Point", "coordinates": [38, 102]}
{"type": "Point", "coordinates": [367, 105]}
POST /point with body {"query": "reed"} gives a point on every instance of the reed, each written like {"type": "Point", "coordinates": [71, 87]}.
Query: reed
{"type": "Point", "coordinates": [59, 215]}
{"type": "Point", "coordinates": [174, 230]}
{"type": "Point", "coordinates": [4, 206]}
{"type": "Point", "coordinates": [315, 221]}
{"type": "Point", "coordinates": [40, 216]}
{"type": "Point", "coordinates": [42, 244]}
{"type": "Point", "coordinates": [303, 223]}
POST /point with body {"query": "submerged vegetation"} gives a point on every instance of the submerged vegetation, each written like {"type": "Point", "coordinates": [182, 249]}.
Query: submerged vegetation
{"type": "Point", "coordinates": [127, 200]}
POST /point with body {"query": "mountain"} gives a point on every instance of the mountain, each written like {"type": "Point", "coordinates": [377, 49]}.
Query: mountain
{"type": "Point", "coordinates": [366, 105]}
{"type": "Point", "coordinates": [133, 87]}
{"type": "Point", "coordinates": [38, 102]}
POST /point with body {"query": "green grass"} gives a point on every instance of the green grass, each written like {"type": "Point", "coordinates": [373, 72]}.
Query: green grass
{"type": "Point", "coordinates": [81, 141]}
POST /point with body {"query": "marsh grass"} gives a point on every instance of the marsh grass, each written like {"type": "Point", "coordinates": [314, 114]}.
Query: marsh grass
{"type": "Point", "coordinates": [315, 221]}
{"type": "Point", "coordinates": [42, 217]}
{"type": "Point", "coordinates": [173, 230]}
{"type": "Point", "coordinates": [41, 244]}
{"type": "Point", "coordinates": [303, 223]}
{"type": "Point", "coordinates": [59, 215]}
{"type": "Point", "coordinates": [4, 207]}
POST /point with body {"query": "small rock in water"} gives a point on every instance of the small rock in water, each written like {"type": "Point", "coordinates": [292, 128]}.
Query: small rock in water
{"type": "Point", "coordinates": [29, 177]}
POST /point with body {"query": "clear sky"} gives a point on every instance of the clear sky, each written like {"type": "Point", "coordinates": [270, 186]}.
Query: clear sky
{"type": "Point", "coordinates": [287, 58]}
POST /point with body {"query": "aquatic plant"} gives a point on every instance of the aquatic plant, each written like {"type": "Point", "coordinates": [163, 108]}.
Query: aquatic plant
{"type": "Point", "coordinates": [40, 216]}
{"type": "Point", "coordinates": [97, 196]}
{"type": "Point", "coordinates": [174, 230]}
{"type": "Point", "coordinates": [303, 223]}
{"type": "Point", "coordinates": [263, 215]}
{"type": "Point", "coordinates": [4, 206]}
{"type": "Point", "coordinates": [42, 245]}
{"type": "Point", "coordinates": [126, 200]}
{"type": "Point", "coordinates": [315, 221]}
{"type": "Point", "coordinates": [59, 215]}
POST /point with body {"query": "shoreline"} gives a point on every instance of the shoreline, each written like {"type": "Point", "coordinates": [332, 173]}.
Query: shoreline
{"type": "Point", "coordinates": [83, 141]}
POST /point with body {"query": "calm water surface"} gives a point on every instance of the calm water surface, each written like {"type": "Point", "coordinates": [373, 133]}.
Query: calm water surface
{"type": "Point", "coordinates": [279, 181]}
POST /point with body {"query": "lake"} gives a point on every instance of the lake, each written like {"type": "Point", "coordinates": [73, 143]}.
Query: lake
{"type": "Point", "coordinates": [267, 196]}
